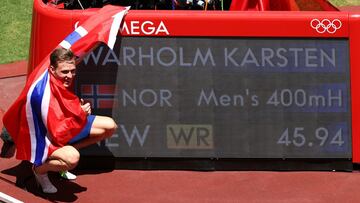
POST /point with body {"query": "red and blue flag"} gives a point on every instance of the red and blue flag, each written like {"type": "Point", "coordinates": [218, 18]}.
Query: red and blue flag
{"type": "Point", "coordinates": [100, 96]}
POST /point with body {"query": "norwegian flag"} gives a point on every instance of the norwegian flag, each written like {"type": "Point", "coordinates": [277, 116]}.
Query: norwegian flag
{"type": "Point", "coordinates": [46, 115]}
{"type": "Point", "coordinates": [101, 96]}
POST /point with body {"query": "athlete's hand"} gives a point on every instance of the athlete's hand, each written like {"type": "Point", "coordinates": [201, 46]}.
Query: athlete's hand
{"type": "Point", "coordinates": [86, 107]}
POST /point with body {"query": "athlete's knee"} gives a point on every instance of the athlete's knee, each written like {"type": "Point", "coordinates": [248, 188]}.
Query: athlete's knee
{"type": "Point", "coordinates": [111, 127]}
{"type": "Point", "coordinates": [72, 157]}
{"type": "Point", "coordinates": [103, 126]}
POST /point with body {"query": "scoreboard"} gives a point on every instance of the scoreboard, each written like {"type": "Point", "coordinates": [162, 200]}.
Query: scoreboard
{"type": "Point", "coordinates": [218, 97]}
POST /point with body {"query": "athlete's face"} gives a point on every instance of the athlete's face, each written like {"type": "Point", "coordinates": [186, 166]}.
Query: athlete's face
{"type": "Point", "coordinates": [65, 72]}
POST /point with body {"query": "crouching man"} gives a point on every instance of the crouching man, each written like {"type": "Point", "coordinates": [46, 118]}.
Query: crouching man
{"type": "Point", "coordinates": [61, 134]}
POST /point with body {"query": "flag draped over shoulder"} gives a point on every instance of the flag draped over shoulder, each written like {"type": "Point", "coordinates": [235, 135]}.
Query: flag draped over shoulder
{"type": "Point", "coordinates": [46, 115]}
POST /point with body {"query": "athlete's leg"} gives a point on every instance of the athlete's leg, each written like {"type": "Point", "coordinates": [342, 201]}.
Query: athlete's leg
{"type": "Point", "coordinates": [102, 128]}
{"type": "Point", "coordinates": [65, 158]}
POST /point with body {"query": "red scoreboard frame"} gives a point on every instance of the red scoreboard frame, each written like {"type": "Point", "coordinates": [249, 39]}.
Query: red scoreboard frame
{"type": "Point", "coordinates": [50, 25]}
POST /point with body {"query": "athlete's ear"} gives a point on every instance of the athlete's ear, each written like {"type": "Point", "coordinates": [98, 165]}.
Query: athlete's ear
{"type": "Point", "coordinates": [52, 69]}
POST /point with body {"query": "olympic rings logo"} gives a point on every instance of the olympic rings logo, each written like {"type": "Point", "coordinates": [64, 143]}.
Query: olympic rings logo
{"type": "Point", "coordinates": [326, 25]}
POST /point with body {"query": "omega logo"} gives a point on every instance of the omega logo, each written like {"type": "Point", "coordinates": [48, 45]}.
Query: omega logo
{"type": "Point", "coordinates": [144, 28]}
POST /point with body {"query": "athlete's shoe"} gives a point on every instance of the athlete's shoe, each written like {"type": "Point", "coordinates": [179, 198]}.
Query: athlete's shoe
{"type": "Point", "coordinates": [67, 175]}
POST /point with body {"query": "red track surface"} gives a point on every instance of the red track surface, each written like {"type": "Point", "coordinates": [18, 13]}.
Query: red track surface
{"type": "Point", "coordinates": [171, 186]}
